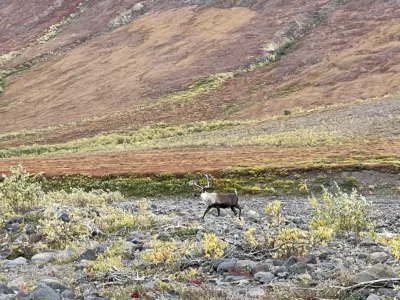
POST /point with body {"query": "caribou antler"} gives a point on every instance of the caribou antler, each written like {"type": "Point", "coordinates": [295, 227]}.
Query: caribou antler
{"type": "Point", "coordinates": [207, 176]}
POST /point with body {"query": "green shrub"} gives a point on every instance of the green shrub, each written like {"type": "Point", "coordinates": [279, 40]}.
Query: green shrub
{"type": "Point", "coordinates": [18, 191]}
{"type": "Point", "coordinates": [342, 211]}
{"type": "Point", "coordinates": [350, 183]}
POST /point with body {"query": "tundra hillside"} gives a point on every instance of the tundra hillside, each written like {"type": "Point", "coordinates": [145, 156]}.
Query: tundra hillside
{"type": "Point", "coordinates": [111, 108]}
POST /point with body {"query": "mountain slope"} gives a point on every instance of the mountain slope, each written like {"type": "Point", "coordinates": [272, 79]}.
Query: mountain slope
{"type": "Point", "coordinates": [110, 66]}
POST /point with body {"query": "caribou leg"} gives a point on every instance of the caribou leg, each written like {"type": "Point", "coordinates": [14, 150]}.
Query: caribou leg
{"type": "Point", "coordinates": [219, 211]}
{"type": "Point", "coordinates": [234, 210]}
{"type": "Point", "coordinates": [207, 210]}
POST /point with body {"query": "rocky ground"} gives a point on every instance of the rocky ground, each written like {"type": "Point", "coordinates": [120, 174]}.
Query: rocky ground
{"type": "Point", "coordinates": [239, 274]}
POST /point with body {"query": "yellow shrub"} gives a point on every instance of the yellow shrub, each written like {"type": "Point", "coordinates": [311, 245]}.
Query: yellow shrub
{"type": "Point", "coordinates": [213, 245]}
{"type": "Point", "coordinates": [58, 234]}
{"type": "Point", "coordinates": [111, 258]}
{"type": "Point", "coordinates": [167, 252]}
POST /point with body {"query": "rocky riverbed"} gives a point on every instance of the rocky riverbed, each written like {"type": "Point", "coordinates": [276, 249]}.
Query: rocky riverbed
{"type": "Point", "coordinates": [325, 272]}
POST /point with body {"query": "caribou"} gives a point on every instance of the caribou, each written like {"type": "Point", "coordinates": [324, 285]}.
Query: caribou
{"type": "Point", "coordinates": [217, 200]}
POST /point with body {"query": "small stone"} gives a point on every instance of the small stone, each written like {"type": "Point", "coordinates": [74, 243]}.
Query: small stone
{"type": "Point", "coordinates": [256, 292]}
{"type": "Point", "coordinates": [280, 270]}
{"type": "Point", "coordinates": [282, 275]}
{"type": "Point", "coordinates": [234, 278]}
{"type": "Point", "coordinates": [386, 292]}
{"type": "Point", "coordinates": [227, 265]}
{"type": "Point", "coordinates": [290, 261]}
{"type": "Point", "coordinates": [373, 297]}
{"type": "Point", "coordinates": [300, 268]}
{"type": "Point", "coordinates": [16, 262]}
{"type": "Point", "coordinates": [327, 265]}
{"type": "Point", "coordinates": [278, 262]}
{"type": "Point", "coordinates": [44, 292]}
{"type": "Point", "coordinates": [101, 248]}
{"type": "Point", "coordinates": [4, 289]}
{"type": "Point", "coordinates": [261, 267]}
{"type": "Point", "coordinates": [378, 257]}
{"type": "Point", "coordinates": [310, 259]}
{"type": "Point", "coordinates": [54, 284]}
{"type": "Point", "coordinates": [151, 285]}
{"type": "Point", "coordinates": [138, 6]}
{"type": "Point", "coordinates": [30, 228]}
{"type": "Point", "coordinates": [367, 241]}
{"type": "Point", "coordinates": [89, 254]}
{"type": "Point", "coordinates": [64, 217]}
{"type": "Point", "coordinates": [246, 264]}
{"type": "Point", "coordinates": [68, 294]}
{"type": "Point", "coordinates": [43, 257]}
{"type": "Point", "coordinates": [260, 275]}
{"type": "Point", "coordinates": [13, 227]}
{"type": "Point", "coordinates": [66, 254]}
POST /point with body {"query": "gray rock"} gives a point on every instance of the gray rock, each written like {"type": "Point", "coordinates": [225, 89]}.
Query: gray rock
{"type": "Point", "coordinates": [377, 271]}
{"type": "Point", "coordinates": [386, 292]}
{"type": "Point", "coordinates": [282, 275]}
{"type": "Point", "coordinates": [151, 285]}
{"type": "Point", "coordinates": [44, 292]}
{"type": "Point", "coordinates": [378, 257]}
{"type": "Point", "coordinates": [227, 265]}
{"type": "Point", "coordinates": [367, 241]}
{"type": "Point", "coordinates": [256, 292]}
{"type": "Point", "coordinates": [16, 262]}
{"type": "Point", "coordinates": [54, 284]}
{"type": "Point", "coordinates": [217, 262]}
{"type": "Point", "coordinates": [261, 267]}
{"type": "Point", "coordinates": [43, 257]}
{"type": "Point", "coordinates": [101, 248]}
{"type": "Point", "coordinates": [66, 254]}
{"type": "Point", "coordinates": [68, 294]}
{"type": "Point", "coordinates": [301, 268]}
{"type": "Point", "coordinates": [64, 217]}
{"type": "Point", "coordinates": [234, 278]}
{"type": "Point", "coordinates": [93, 297]}
{"type": "Point", "coordinates": [4, 289]}
{"type": "Point", "coordinates": [88, 290]}
{"type": "Point", "coordinates": [246, 264]}
{"type": "Point", "coordinates": [278, 262]}
{"type": "Point", "coordinates": [89, 254]}
{"type": "Point", "coordinates": [267, 278]}
{"type": "Point", "coordinates": [30, 228]}
{"type": "Point", "coordinates": [4, 254]}
{"type": "Point", "coordinates": [14, 227]}
{"type": "Point", "coordinates": [327, 265]}
{"type": "Point", "coordinates": [280, 270]}
{"type": "Point", "coordinates": [311, 259]}
{"type": "Point", "coordinates": [260, 275]}
{"type": "Point", "coordinates": [254, 214]}
{"type": "Point", "coordinates": [135, 237]}
{"type": "Point", "coordinates": [12, 224]}
{"type": "Point", "coordinates": [290, 261]}
{"type": "Point", "coordinates": [373, 297]}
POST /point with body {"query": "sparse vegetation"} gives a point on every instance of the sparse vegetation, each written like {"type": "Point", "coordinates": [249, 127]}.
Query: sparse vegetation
{"type": "Point", "coordinates": [342, 212]}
